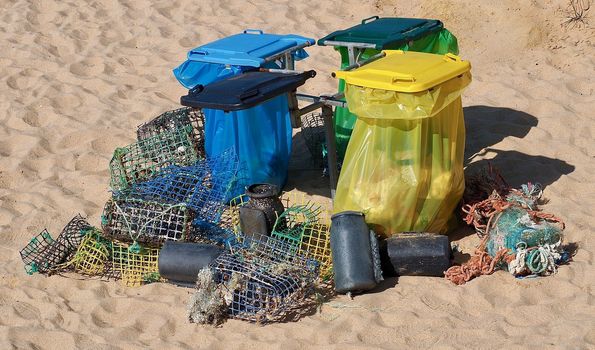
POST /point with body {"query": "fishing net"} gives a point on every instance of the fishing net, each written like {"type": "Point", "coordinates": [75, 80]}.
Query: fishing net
{"type": "Point", "coordinates": [44, 254]}
{"type": "Point", "coordinates": [135, 267]}
{"type": "Point", "coordinates": [202, 187]}
{"type": "Point", "coordinates": [171, 120]}
{"type": "Point", "coordinates": [305, 225]}
{"type": "Point", "coordinates": [517, 236]}
{"type": "Point", "coordinates": [139, 221]}
{"type": "Point", "coordinates": [264, 280]}
{"type": "Point", "coordinates": [92, 255]}
{"type": "Point", "coordinates": [146, 158]}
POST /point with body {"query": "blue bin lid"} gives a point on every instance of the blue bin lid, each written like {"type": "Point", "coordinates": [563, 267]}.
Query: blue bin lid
{"type": "Point", "coordinates": [245, 90]}
{"type": "Point", "coordinates": [249, 48]}
{"type": "Point", "coordinates": [385, 33]}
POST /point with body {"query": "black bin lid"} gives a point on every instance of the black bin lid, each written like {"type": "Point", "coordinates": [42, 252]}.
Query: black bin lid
{"type": "Point", "coordinates": [244, 90]}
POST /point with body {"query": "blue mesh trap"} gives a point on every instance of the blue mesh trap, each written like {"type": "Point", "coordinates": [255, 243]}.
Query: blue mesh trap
{"type": "Point", "coordinates": [44, 254]}
{"type": "Point", "coordinates": [202, 187]}
{"type": "Point", "coordinates": [264, 279]}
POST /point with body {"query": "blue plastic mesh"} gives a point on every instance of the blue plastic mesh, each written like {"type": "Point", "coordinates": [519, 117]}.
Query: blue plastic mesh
{"type": "Point", "coordinates": [203, 187]}
{"type": "Point", "coordinates": [265, 279]}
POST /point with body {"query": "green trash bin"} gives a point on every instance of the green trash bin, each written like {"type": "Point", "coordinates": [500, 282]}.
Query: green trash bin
{"type": "Point", "coordinates": [367, 39]}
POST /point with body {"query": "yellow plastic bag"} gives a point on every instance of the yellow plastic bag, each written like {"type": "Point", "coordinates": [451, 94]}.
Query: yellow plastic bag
{"type": "Point", "coordinates": [404, 164]}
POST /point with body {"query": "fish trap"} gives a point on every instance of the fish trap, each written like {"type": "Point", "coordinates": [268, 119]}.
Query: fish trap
{"type": "Point", "coordinates": [147, 222]}
{"type": "Point", "coordinates": [171, 120]}
{"type": "Point", "coordinates": [44, 254]}
{"type": "Point", "coordinates": [264, 280]}
{"type": "Point", "coordinates": [313, 133]}
{"type": "Point", "coordinates": [135, 265]}
{"type": "Point", "coordinates": [202, 187]}
{"type": "Point", "coordinates": [146, 158]}
{"type": "Point", "coordinates": [92, 255]}
{"type": "Point", "coordinates": [307, 227]}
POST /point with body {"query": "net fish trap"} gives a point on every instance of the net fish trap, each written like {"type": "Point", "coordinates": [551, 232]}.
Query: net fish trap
{"type": "Point", "coordinates": [93, 254]}
{"type": "Point", "coordinates": [135, 266]}
{"type": "Point", "coordinates": [264, 280]}
{"type": "Point", "coordinates": [146, 158]}
{"type": "Point", "coordinates": [45, 254]}
{"type": "Point", "coordinates": [188, 118]}
{"type": "Point", "coordinates": [203, 187]}
{"type": "Point", "coordinates": [139, 221]}
{"type": "Point", "coordinates": [304, 224]}
{"type": "Point", "coordinates": [313, 134]}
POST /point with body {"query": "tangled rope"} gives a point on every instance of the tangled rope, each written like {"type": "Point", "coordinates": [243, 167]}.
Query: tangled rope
{"type": "Point", "coordinates": [481, 263]}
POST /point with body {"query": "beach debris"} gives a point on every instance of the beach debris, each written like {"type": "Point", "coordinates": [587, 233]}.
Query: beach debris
{"type": "Point", "coordinates": [204, 186]}
{"type": "Point", "coordinates": [45, 254]}
{"type": "Point", "coordinates": [135, 266]}
{"type": "Point", "coordinates": [139, 221]}
{"type": "Point", "coordinates": [92, 254]}
{"type": "Point", "coordinates": [146, 158]}
{"type": "Point", "coordinates": [207, 305]}
{"type": "Point", "coordinates": [516, 236]}
{"type": "Point", "coordinates": [308, 229]}
{"type": "Point", "coordinates": [264, 280]}
{"type": "Point", "coordinates": [186, 117]}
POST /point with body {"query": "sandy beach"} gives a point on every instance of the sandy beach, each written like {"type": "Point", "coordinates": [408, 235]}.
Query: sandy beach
{"type": "Point", "coordinates": [77, 78]}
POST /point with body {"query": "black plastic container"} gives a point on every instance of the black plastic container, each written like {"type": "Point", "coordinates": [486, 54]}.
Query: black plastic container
{"type": "Point", "coordinates": [356, 261]}
{"type": "Point", "coordinates": [180, 262]}
{"type": "Point", "coordinates": [415, 254]}
{"type": "Point", "coordinates": [258, 216]}
{"type": "Point", "coordinates": [245, 90]}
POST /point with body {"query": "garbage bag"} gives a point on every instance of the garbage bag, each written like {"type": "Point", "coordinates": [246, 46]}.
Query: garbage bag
{"type": "Point", "coordinates": [404, 164]}
{"type": "Point", "coordinates": [441, 42]}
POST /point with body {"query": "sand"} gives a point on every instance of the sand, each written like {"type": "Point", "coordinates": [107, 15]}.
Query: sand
{"type": "Point", "coordinates": [77, 78]}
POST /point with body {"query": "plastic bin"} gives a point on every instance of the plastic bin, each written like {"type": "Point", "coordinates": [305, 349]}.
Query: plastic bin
{"type": "Point", "coordinates": [404, 164]}
{"type": "Point", "coordinates": [251, 116]}
{"type": "Point", "coordinates": [247, 128]}
{"type": "Point", "coordinates": [375, 34]}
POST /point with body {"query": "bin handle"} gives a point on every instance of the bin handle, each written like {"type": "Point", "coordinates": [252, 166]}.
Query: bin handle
{"type": "Point", "coordinates": [373, 18]}
{"type": "Point", "coordinates": [200, 52]}
{"type": "Point", "coordinates": [253, 31]}
{"type": "Point", "coordinates": [246, 94]}
{"type": "Point", "coordinates": [452, 57]}
{"type": "Point", "coordinates": [403, 77]}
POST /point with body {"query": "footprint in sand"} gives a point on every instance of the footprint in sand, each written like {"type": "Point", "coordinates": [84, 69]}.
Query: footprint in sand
{"type": "Point", "coordinates": [89, 67]}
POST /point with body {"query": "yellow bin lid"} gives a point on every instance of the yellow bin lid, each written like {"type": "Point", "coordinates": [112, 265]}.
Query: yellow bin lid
{"type": "Point", "coordinates": [406, 71]}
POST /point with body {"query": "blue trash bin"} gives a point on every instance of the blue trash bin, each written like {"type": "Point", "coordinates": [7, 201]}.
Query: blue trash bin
{"type": "Point", "coordinates": [261, 135]}
{"type": "Point", "coordinates": [254, 120]}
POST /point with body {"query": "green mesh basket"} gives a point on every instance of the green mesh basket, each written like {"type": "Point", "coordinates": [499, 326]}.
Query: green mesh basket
{"type": "Point", "coordinates": [186, 117]}
{"type": "Point", "coordinates": [146, 158]}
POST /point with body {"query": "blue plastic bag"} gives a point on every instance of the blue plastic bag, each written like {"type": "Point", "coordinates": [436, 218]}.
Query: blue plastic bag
{"type": "Point", "coordinates": [261, 138]}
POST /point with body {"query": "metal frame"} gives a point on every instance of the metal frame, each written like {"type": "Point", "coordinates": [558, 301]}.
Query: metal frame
{"type": "Point", "coordinates": [353, 49]}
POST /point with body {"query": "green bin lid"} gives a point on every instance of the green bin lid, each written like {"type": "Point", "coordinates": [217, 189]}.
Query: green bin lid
{"type": "Point", "coordinates": [384, 33]}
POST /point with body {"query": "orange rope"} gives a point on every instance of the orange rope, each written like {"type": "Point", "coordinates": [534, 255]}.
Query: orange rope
{"type": "Point", "coordinates": [480, 264]}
